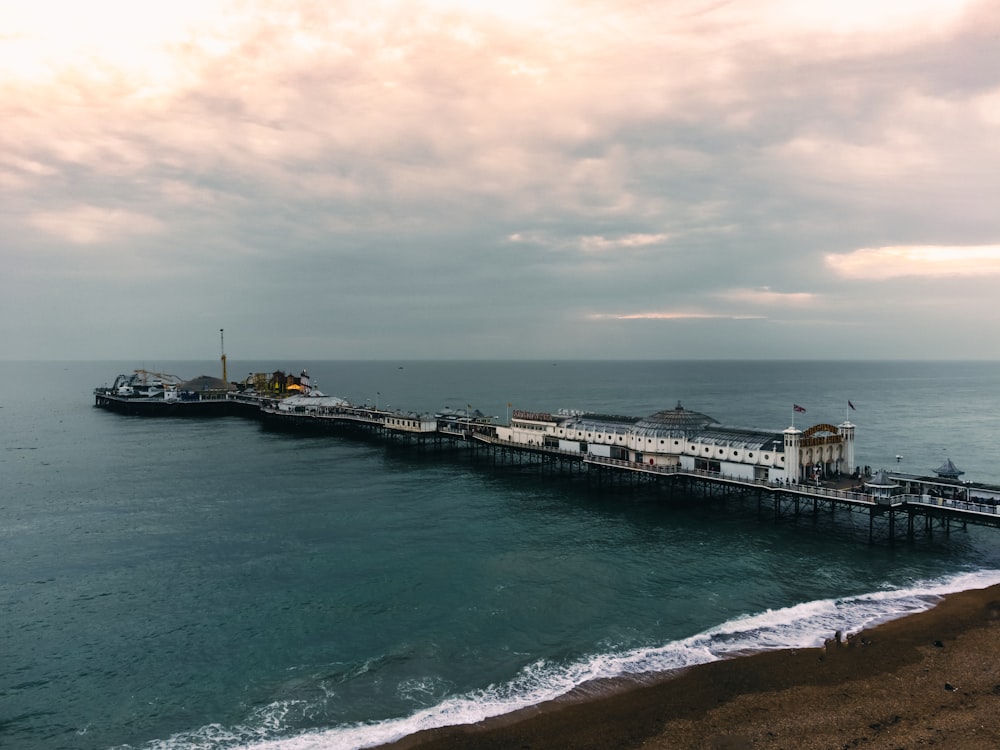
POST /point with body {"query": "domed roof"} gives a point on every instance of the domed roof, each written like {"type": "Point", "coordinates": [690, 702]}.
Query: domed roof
{"type": "Point", "coordinates": [677, 419]}
{"type": "Point", "coordinates": [881, 480]}
{"type": "Point", "coordinates": [948, 470]}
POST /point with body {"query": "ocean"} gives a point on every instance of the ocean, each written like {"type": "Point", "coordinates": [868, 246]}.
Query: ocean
{"type": "Point", "coordinates": [178, 584]}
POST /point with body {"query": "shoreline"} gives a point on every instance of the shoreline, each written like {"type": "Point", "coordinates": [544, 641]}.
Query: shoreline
{"type": "Point", "coordinates": [929, 678]}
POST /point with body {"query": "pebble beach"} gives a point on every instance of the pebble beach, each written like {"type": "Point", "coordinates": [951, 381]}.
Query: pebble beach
{"type": "Point", "coordinates": [931, 679]}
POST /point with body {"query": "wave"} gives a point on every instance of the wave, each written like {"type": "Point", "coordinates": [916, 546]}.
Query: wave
{"type": "Point", "coordinates": [804, 625]}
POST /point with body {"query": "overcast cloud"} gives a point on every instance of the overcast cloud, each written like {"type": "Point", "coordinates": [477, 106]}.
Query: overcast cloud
{"type": "Point", "coordinates": [446, 179]}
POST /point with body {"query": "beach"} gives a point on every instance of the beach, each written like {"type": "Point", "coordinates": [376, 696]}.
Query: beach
{"type": "Point", "coordinates": [931, 679]}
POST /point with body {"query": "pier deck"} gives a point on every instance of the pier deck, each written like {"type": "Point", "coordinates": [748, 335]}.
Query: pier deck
{"type": "Point", "coordinates": [890, 518]}
{"type": "Point", "coordinates": [923, 508]}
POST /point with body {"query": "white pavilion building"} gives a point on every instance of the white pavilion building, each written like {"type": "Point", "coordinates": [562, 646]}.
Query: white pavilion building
{"type": "Point", "coordinates": [691, 440]}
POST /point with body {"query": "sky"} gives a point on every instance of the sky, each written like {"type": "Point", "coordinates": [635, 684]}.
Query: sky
{"type": "Point", "coordinates": [525, 179]}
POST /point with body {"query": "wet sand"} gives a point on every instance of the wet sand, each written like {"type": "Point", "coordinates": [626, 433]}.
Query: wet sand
{"type": "Point", "coordinates": [928, 680]}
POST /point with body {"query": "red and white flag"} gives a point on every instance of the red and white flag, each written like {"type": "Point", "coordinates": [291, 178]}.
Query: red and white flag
{"type": "Point", "coordinates": [798, 409]}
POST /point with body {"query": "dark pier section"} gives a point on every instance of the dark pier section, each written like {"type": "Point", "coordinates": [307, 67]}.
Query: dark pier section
{"type": "Point", "coordinates": [200, 407]}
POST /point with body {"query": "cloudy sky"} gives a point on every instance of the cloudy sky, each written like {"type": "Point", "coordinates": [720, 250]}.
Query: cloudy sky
{"type": "Point", "coordinates": [511, 179]}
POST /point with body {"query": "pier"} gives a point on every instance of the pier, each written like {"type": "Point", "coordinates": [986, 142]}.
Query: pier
{"type": "Point", "coordinates": [890, 517]}
{"type": "Point", "coordinates": [786, 475]}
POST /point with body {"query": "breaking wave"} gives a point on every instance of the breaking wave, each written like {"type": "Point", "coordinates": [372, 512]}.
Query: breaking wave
{"type": "Point", "coordinates": [800, 626]}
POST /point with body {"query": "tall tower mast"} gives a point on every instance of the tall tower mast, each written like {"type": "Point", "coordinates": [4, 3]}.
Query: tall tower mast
{"type": "Point", "coordinates": [222, 342]}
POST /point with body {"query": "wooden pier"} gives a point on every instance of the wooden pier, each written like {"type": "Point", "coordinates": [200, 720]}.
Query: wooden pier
{"type": "Point", "coordinates": [895, 518]}
{"type": "Point", "coordinates": [923, 509]}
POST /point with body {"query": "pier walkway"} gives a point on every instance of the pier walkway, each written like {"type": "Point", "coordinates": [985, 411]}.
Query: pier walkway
{"type": "Point", "coordinates": [891, 518]}
{"type": "Point", "coordinates": [897, 516]}
{"type": "Point", "coordinates": [922, 505]}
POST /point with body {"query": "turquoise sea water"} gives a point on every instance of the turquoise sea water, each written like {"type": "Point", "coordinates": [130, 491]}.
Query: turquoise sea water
{"type": "Point", "coordinates": [171, 583]}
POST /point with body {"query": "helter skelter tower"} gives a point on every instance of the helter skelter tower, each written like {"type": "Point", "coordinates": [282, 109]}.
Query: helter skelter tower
{"type": "Point", "coordinates": [222, 343]}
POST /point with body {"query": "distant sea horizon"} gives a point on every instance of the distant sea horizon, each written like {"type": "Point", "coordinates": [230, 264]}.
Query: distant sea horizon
{"type": "Point", "coordinates": [896, 360]}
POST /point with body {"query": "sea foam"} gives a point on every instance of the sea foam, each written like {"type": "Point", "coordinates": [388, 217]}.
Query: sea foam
{"type": "Point", "coordinates": [803, 625]}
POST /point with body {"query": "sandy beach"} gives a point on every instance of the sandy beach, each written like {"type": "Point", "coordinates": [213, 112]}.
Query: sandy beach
{"type": "Point", "coordinates": [928, 680]}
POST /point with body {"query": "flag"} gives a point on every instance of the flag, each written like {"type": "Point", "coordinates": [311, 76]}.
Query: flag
{"type": "Point", "coordinates": [798, 409]}
{"type": "Point", "coordinates": [851, 405]}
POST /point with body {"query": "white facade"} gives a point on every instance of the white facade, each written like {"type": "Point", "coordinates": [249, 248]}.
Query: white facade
{"type": "Point", "coordinates": [312, 404]}
{"type": "Point", "coordinates": [692, 441]}
{"type": "Point", "coordinates": [410, 423]}
{"type": "Point", "coordinates": [823, 450]}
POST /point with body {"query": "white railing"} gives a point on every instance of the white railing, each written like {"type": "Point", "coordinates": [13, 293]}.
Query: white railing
{"type": "Point", "coordinates": [329, 413]}
{"type": "Point", "coordinates": [541, 447]}
{"type": "Point", "coordinates": [943, 502]}
{"type": "Point", "coordinates": [801, 489]}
